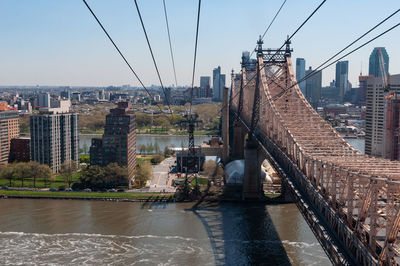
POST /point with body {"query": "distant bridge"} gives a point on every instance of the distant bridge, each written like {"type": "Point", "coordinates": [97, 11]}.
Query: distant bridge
{"type": "Point", "coordinates": [351, 201]}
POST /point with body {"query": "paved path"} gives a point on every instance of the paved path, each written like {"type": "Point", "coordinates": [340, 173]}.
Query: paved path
{"type": "Point", "coordinates": [161, 179]}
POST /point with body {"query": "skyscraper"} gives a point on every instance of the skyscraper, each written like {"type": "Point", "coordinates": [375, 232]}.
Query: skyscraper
{"type": "Point", "coordinates": [218, 84]}
{"type": "Point", "coordinates": [341, 81]}
{"type": "Point", "coordinates": [44, 100]}
{"type": "Point", "coordinates": [300, 73]}
{"type": "Point", "coordinates": [205, 90]}
{"type": "Point", "coordinates": [9, 129]}
{"type": "Point", "coordinates": [54, 137]}
{"type": "Point", "coordinates": [118, 144]}
{"type": "Point", "coordinates": [374, 65]}
{"type": "Point", "coordinates": [379, 112]}
{"type": "Point", "coordinates": [313, 87]}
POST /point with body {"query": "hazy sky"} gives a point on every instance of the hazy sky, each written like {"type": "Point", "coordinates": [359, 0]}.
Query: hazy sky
{"type": "Point", "coordinates": [57, 42]}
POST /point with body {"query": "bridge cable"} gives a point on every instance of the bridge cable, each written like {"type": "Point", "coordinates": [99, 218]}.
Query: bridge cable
{"type": "Point", "coordinates": [269, 26]}
{"type": "Point", "coordinates": [345, 48]}
{"type": "Point", "coordinates": [195, 55]}
{"type": "Point", "coordinates": [278, 50]}
{"type": "Point", "coordinates": [120, 53]}
{"type": "Point", "coordinates": [152, 56]}
{"type": "Point", "coordinates": [170, 43]}
{"type": "Point", "coordinates": [352, 51]}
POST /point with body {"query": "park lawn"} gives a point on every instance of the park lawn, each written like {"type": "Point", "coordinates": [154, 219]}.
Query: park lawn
{"type": "Point", "coordinates": [55, 182]}
{"type": "Point", "coordinates": [200, 180]}
{"type": "Point", "coordinates": [85, 194]}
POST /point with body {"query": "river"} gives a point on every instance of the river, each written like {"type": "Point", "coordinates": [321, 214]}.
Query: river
{"type": "Point", "coordinates": [161, 140]}
{"type": "Point", "coordinates": [72, 232]}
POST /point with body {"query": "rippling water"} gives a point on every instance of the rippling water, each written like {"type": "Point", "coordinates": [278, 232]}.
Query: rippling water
{"type": "Point", "coordinates": [90, 232]}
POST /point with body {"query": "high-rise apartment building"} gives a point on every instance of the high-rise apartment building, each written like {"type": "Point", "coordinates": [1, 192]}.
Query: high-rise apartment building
{"type": "Point", "coordinates": [392, 126]}
{"type": "Point", "coordinates": [218, 84]}
{"type": "Point", "coordinates": [313, 87]}
{"type": "Point", "coordinates": [341, 81]}
{"type": "Point", "coordinates": [374, 65]}
{"type": "Point", "coordinates": [300, 73]}
{"type": "Point", "coordinates": [54, 138]}
{"type": "Point", "coordinates": [44, 100]}
{"type": "Point", "coordinates": [9, 129]}
{"type": "Point", "coordinates": [118, 144]}
{"type": "Point", "coordinates": [205, 90]}
{"type": "Point", "coordinates": [376, 116]}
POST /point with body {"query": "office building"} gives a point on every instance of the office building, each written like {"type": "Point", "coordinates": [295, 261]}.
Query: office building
{"type": "Point", "coordinates": [392, 127]}
{"type": "Point", "coordinates": [9, 129]}
{"type": "Point", "coordinates": [248, 63]}
{"type": "Point", "coordinates": [54, 138]}
{"type": "Point", "coordinates": [20, 150]}
{"type": "Point", "coordinates": [205, 89]}
{"type": "Point", "coordinates": [376, 115]}
{"type": "Point", "coordinates": [218, 84]}
{"type": "Point", "coordinates": [44, 100]}
{"type": "Point", "coordinates": [341, 81]}
{"type": "Point", "coordinates": [313, 87]}
{"type": "Point", "coordinates": [118, 144]}
{"type": "Point", "coordinates": [374, 65]}
{"type": "Point", "coordinates": [300, 73]}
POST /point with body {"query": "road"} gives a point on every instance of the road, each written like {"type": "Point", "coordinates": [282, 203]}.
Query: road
{"type": "Point", "coordinates": [161, 179]}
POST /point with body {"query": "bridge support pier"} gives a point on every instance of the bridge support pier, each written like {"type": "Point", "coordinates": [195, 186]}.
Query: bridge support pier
{"type": "Point", "coordinates": [252, 185]}
{"type": "Point", "coordinates": [238, 141]}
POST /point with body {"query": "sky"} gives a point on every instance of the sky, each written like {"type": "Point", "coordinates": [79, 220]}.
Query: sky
{"type": "Point", "coordinates": [58, 42]}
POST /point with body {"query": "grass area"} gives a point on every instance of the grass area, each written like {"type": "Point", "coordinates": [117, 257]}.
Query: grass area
{"type": "Point", "coordinates": [272, 195]}
{"type": "Point", "coordinates": [200, 180]}
{"type": "Point", "coordinates": [55, 182]}
{"type": "Point", "coordinates": [88, 131]}
{"type": "Point", "coordinates": [86, 194]}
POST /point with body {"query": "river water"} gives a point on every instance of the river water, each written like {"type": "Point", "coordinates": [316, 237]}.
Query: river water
{"type": "Point", "coordinates": [72, 232]}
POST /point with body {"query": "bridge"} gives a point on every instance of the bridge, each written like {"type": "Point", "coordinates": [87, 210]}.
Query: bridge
{"type": "Point", "coordinates": [351, 201]}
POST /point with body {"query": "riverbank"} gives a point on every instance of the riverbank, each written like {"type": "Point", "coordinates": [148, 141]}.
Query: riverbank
{"type": "Point", "coordinates": [106, 196]}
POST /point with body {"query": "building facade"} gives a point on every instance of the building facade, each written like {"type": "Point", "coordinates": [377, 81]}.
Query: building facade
{"type": "Point", "coordinates": [54, 138]}
{"type": "Point", "coordinates": [300, 73]}
{"type": "Point", "coordinates": [44, 100]}
{"type": "Point", "coordinates": [205, 89]}
{"type": "Point", "coordinates": [218, 84]}
{"type": "Point", "coordinates": [118, 144]}
{"type": "Point", "coordinates": [376, 115]}
{"type": "Point", "coordinates": [341, 81]}
{"type": "Point", "coordinates": [9, 129]}
{"type": "Point", "coordinates": [313, 87]}
{"type": "Point", "coordinates": [374, 65]}
{"type": "Point", "coordinates": [20, 150]}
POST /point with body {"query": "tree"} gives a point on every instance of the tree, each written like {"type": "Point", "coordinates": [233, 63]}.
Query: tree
{"type": "Point", "coordinates": [158, 158]}
{"type": "Point", "coordinates": [84, 159]}
{"type": "Point", "coordinates": [150, 148]}
{"type": "Point", "coordinates": [142, 148]}
{"type": "Point", "coordinates": [23, 171]}
{"type": "Point", "coordinates": [157, 148]}
{"type": "Point", "coordinates": [115, 175]}
{"type": "Point", "coordinates": [85, 148]}
{"type": "Point", "coordinates": [67, 170]}
{"type": "Point", "coordinates": [168, 152]}
{"type": "Point", "coordinates": [8, 172]}
{"type": "Point", "coordinates": [143, 172]}
{"type": "Point", "coordinates": [92, 176]}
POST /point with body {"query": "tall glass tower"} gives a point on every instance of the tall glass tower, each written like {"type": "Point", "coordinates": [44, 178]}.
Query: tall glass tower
{"type": "Point", "coordinates": [374, 67]}
{"type": "Point", "coordinates": [300, 73]}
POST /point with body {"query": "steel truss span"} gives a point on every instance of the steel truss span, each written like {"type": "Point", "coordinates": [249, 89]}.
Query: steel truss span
{"type": "Point", "coordinates": [362, 191]}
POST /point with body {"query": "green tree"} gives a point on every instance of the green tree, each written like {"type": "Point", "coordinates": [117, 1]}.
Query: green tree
{"type": "Point", "coordinates": [84, 159]}
{"type": "Point", "coordinates": [8, 172]}
{"type": "Point", "coordinates": [92, 177]}
{"type": "Point", "coordinates": [168, 152]}
{"type": "Point", "coordinates": [143, 172]}
{"type": "Point", "coordinates": [115, 175]}
{"type": "Point", "coordinates": [142, 148]}
{"type": "Point", "coordinates": [23, 171]}
{"type": "Point", "coordinates": [150, 148]}
{"type": "Point", "coordinates": [157, 148]}
{"type": "Point", "coordinates": [85, 148]}
{"type": "Point", "coordinates": [67, 170]}
{"type": "Point", "coordinates": [158, 158]}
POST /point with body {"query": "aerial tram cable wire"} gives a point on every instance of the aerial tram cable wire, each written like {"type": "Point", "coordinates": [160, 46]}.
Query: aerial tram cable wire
{"type": "Point", "coordinates": [280, 49]}
{"type": "Point", "coordinates": [195, 55]}
{"type": "Point", "coordinates": [152, 56]}
{"type": "Point", "coordinates": [170, 43]}
{"type": "Point", "coordinates": [120, 53]}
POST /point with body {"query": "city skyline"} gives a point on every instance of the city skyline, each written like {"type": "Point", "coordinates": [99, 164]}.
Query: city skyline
{"type": "Point", "coordinates": [43, 45]}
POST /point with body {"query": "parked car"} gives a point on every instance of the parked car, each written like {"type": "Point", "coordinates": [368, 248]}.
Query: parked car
{"type": "Point", "coordinates": [68, 189]}
{"type": "Point", "coordinates": [87, 190]}
{"type": "Point", "coordinates": [53, 189]}
{"type": "Point", "coordinates": [121, 190]}
{"type": "Point", "coordinates": [112, 190]}
{"type": "Point", "coordinates": [4, 187]}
